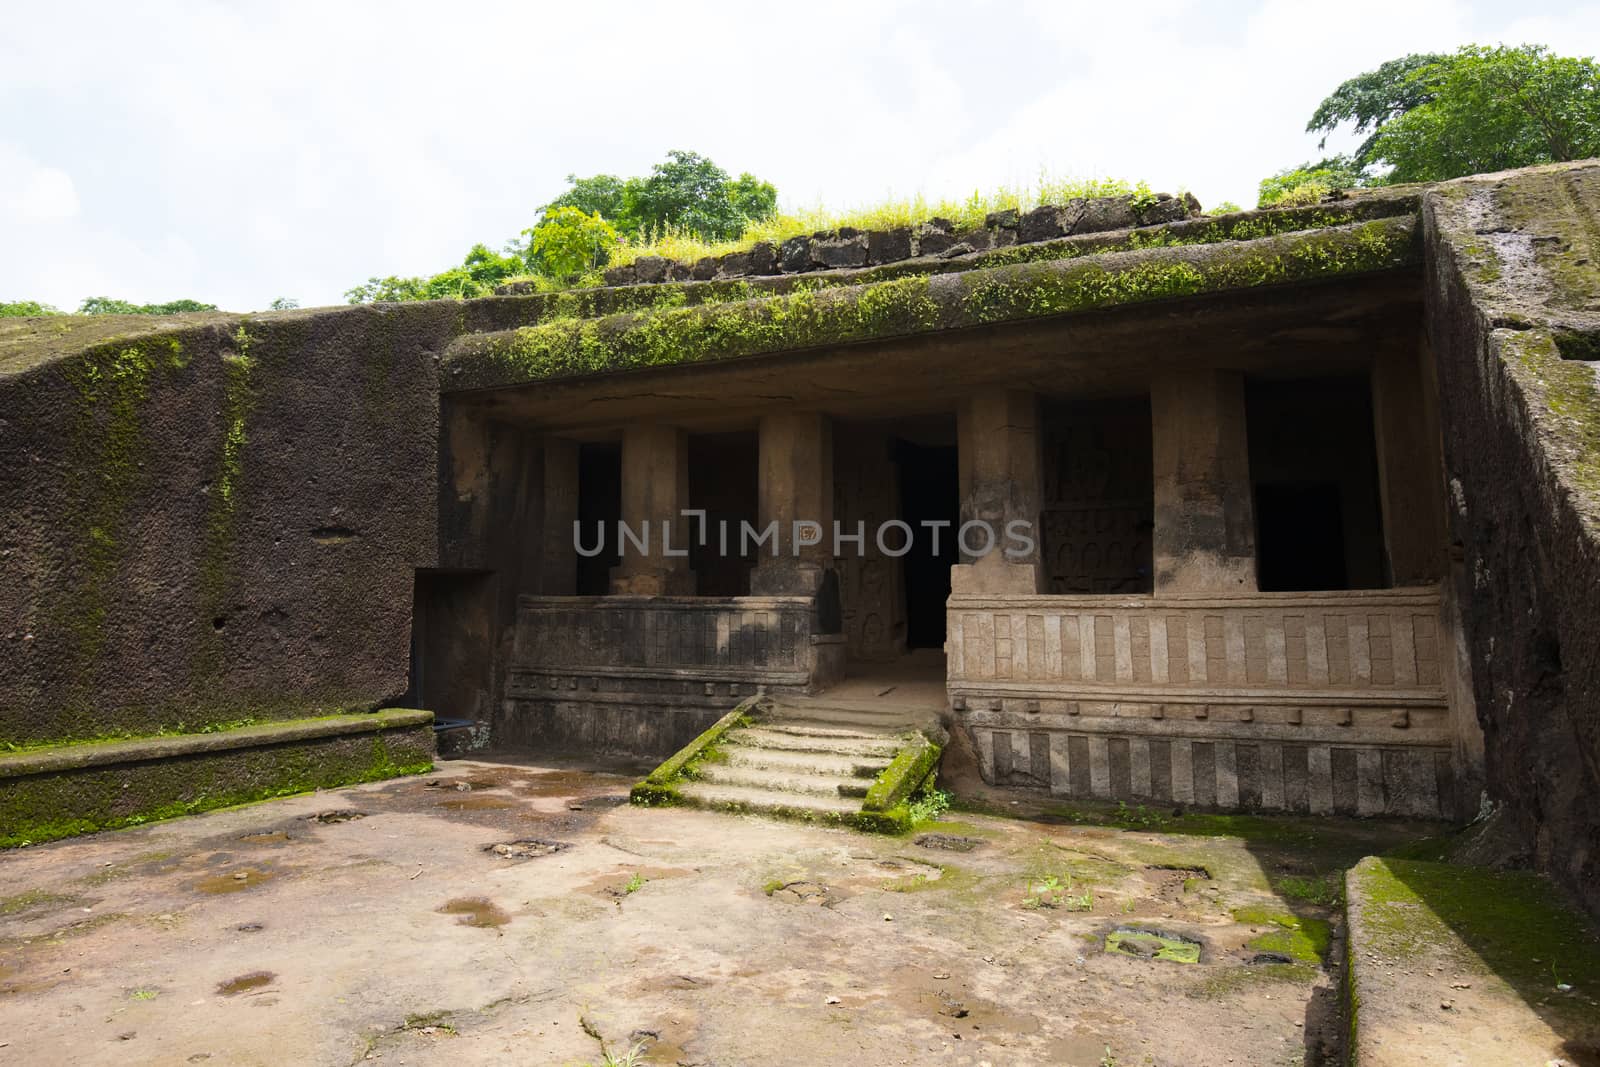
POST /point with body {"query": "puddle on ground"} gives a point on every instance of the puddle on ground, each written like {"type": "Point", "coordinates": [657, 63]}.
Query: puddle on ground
{"type": "Point", "coordinates": [338, 815]}
{"type": "Point", "coordinates": [475, 911]}
{"type": "Point", "coordinates": [234, 882]}
{"type": "Point", "coordinates": [266, 837]}
{"type": "Point", "coordinates": [244, 983]}
{"type": "Point", "coordinates": [474, 802]}
{"type": "Point", "coordinates": [1149, 944]}
{"type": "Point", "coordinates": [562, 783]}
{"type": "Point", "coordinates": [804, 893]}
{"type": "Point", "coordinates": [529, 849]}
{"type": "Point", "coordinates": [1169, 884]}
{"type": "Point", "coordinates": [948, 842]}
{"type": "Point", "coordinates": [11, 984]}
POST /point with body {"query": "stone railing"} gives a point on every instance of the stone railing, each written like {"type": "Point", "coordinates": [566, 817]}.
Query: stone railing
{"type": "Point", "coordinates": [849, 247]}
{"type": "Point", "coordinates": [1308, 701]}
{"type": "Point", "coordinates": [757, 640]}
{"type": "Point", "coordinates": [645, 674]}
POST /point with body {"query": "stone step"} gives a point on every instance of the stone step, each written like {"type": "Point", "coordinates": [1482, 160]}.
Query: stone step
{"type": "Point", "coordinates": [743, 798]}
{"type": "Point", "coordinates": [868, 705]}
{"type": "Point", "coordinates": [887, 722]}
{"type": "Point", "coordinates": [806, 729]}
{"type": "Point", "coordinates": [788, 739]}
{"type": "Point", "coordinates": [782, 781]}
{"type": "Point", "coordinates": [833, 765]}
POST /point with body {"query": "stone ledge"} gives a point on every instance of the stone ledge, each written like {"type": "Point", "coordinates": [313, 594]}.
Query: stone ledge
{"type": "Point", "coordinates": [78, 789]}
{"type": "Point", "coordinates": [919, 305]}
{"type": "Point", "coordinates": [1468, 966]}
{"type": "Point", "coordinates": [143, 749]}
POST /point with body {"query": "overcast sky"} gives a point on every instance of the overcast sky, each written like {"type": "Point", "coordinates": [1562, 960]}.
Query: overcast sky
{"type": "Point", "coordinates": [238, 152]}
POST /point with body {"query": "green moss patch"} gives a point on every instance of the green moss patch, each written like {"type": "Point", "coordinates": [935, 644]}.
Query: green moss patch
{"type": "Point", "coordinates": [917, 305]}
{"type": "Point", "coordinates": [79, 789]}
{"type": "Point", "coordinates": [1566, 399]}
{"type": "Point", "coordinates": [1147, 944]}
{"type": "Point", "coordinates": [896, 782]}
{"type": "Point", "coordinates": [1514, 922]}
{"type": "Point", "coordinates": [1299, 938]}
{"type": "Point", "coordinates": [660, 786]}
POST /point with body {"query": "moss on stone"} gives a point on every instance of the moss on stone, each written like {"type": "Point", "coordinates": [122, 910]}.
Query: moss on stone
{"type": "Point", "coordinates": [1570, 393]}
{"type": "Point", "coordinates": [918, 305]}
{"type": "Point", "coordinates": [660, 786]}
{"type": "Point", "coordinates": [894, 785]}
{"type": "Point", "coordinates": [1300, 938]}
{"type": "Point", "coordinates": [63, 802]}
{"type": "Point", "coordinates": [111, 383]}
{"type": "Point", "coordinates": [1513, 924]}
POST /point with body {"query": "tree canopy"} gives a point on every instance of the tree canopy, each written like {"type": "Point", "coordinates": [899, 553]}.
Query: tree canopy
{"type": "Point", "coordinates": [686, 192]}
{"type": "Point", "coordinates": [577, 231]}
{"type": "Point", "coordinates": [1431, 117]}
{"type": "Point", "coordinates": [105, 305]}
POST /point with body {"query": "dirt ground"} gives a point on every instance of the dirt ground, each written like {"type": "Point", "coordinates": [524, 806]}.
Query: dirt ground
{"type": "Point", "coordinates": [379, 923]}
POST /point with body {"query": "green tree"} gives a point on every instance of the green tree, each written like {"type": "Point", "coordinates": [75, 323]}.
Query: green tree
{"type": "Point", "coordinates": [479, 273]}
{"type": "Point", "coordinates": [577, 230]}
{"type": "Point", "coordinates": [386, 290]}
{"type": "Point", "coordinates": [1482, 109]}
{"type": "Point", "coordinates": [22, 308]}
{"type": "Point", "coordinates": [1371, 99]}
{"type": "Point", "coordinates": [689, 192]}
{"type": "Point", "coordinates": [1309, 182]}
{"type": "Point", "coordinates": [605, 195]}
{"type": "Point", "coordinates": [569, 240]}
{"type": "Point", "coordinates": [105, 305]}
{"type": "Point", "coordinates": [283, 303]}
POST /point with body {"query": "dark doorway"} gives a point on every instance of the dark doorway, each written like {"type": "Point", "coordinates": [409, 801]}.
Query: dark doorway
{"type": "Point", "coordinates": [930, 492]}
{"type": "Point", "coordinates": [599, 509]}
{"type": "Point", "coordinates": [452, 637]}
{"type": "Point", "coordinates": [723, 482]}
{"type": "Point", "coordinates": [1314, 476]}
{"type": "Point", "coordinates": [1301, 537]}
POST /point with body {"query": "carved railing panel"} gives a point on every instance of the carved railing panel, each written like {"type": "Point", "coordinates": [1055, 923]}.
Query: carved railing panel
{"type": "Point", "coordinates": [1324, 702]}
{"type": "Point", "coordinates": [754, 639]}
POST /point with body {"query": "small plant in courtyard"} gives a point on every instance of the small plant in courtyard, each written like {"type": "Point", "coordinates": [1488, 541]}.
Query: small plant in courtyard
{"type": "Point", "coordinates": [1326, 890]}
{"type": "Point", "coordinates": [631, 1058]}
{"type": "Point", "coordinates": [929, 805]}
{"type": "Point", "coordinates": [1054, 892]}
{"type": "Point", "coordinates": [1140, 817]}
{"type": "Point", "coordinates": [635, 883]}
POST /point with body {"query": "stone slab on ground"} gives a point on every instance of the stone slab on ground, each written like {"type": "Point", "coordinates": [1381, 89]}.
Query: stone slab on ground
{"type": "Point", "coordinates": [1468, 967]}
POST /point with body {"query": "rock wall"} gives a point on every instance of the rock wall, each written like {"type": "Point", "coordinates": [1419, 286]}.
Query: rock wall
{"type": "Point", "coordinates": [211, 519]}
{"type": "Point", "coordinates": [849, 247]}
{"type": "Point", "coordinates": [1514, 318]}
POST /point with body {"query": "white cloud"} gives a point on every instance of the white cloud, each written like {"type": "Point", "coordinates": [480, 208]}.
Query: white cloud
{"type": "Point", "coordinates": [236, 153]}
{"type": "Point", "coordinates": [32, 193]}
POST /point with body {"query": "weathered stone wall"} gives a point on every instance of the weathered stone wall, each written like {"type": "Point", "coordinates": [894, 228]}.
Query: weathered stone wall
{"type": "Point", "coordinates": [213, 519]}
{"type": "Point", "coordinates": [1514, 317]}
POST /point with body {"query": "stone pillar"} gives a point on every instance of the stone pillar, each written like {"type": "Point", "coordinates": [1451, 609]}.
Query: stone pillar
{"type": "Point", "coordinates": [1410, 474]}
{"type": "Point", "coordinates": [558, 571]}
{"type": "Point", "coordinates": [998, 454]}
{"type": "Point", "coordinates": [795, 485]}
{"type": "Point", "coordinates": [1204, 536]}
{"type": "Point", "coordinates": [655, 491]}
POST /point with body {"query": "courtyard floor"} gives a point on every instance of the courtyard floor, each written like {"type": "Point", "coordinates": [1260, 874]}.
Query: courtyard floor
{"type": "Point", "coordinates": [380, 923]}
